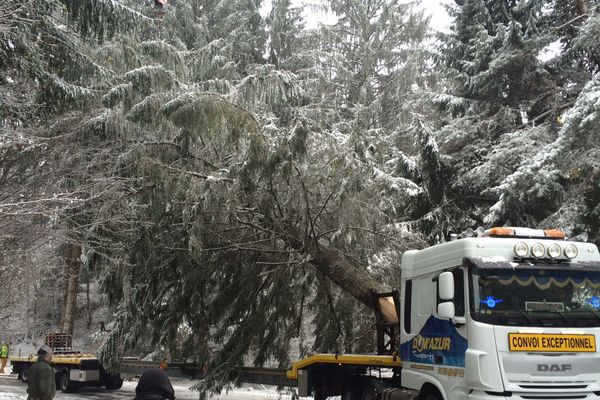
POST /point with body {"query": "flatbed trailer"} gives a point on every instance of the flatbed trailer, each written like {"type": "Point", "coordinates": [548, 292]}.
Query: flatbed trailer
{"type": "Point", "coordinates": [345, 375]}
{"type": "Point", "coordinates": [72, 371]}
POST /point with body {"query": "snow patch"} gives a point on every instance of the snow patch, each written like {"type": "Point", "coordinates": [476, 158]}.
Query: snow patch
{"type": "Point", "coordinates": [550, 51]}
{"type": "Point", "coordinates": [494, 259]}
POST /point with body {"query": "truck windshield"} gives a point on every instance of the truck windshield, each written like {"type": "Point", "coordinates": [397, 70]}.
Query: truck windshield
{"type": "Point", "coordinates": [535, 296]}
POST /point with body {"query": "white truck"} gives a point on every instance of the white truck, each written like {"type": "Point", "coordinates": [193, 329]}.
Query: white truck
{"type": "Point", "coordinates": [509, 313]}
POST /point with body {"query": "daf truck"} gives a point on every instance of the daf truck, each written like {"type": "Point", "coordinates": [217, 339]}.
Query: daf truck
{"type": "Point", "coordinates": [506, 314]}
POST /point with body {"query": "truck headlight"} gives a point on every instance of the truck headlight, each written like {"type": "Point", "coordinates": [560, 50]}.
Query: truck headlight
{"type": "Point", "coordinates": [521, 249]}
{"type": "Point", "coordinates": [554, 250]}
{"type": "Point", "coordinates": [571, 251]}
{"type": "Point", "coordinates": [538, 250]}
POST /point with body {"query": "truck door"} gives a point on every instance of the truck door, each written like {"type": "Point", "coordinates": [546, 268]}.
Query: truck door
{"type": "Point", "coordinates": [433, 348]}
{"type": "Point", "coordinates": [449, 353]}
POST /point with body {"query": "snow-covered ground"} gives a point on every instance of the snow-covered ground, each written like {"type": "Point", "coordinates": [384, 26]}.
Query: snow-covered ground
{"type": "Point", "coordinates": [13, 389]}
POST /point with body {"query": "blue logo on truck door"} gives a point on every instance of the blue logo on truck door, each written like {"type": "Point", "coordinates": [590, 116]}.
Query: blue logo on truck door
{"type": "Point", "coordinates": [437, 343]}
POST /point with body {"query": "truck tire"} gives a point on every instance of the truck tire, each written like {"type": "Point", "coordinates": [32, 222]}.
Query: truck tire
{"type": "Point", "coordinates": [433, 395]}
{"type": "Point", "coordinates": [66, 384]}
{"type": "Point", "coordinates": [24, 374]}
{"type": "Point", "coordinates": [369, 393]}
{"type": "Point", "coordinates": [351, 392]}
{"type": "Point", "coordinates": [371, 389]}
{"type": "Point", "coordinates": [113, 382]}
{"type": "Point", "coordinates": [319, 393]}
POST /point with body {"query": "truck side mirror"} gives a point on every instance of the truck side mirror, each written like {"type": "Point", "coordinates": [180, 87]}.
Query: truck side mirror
{"type": "Point", "coordinates": [446, 286]}
{"type": "Point", "coordinates": [446, 310]}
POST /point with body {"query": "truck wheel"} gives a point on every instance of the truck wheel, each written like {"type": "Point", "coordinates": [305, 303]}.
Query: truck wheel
{"type": "Point", "coordinates": [66, 384]}
{"type": "Point", "coordinates": [113, 382]}
{"type": "Point", "coordinates": [371, 389]}
{"type": "Point", "coordinates": [319, 393]}
{"type": "Point", "coordinates": [118, 383]}
{"type": "Point", "coordinates": [24, 375]}
{"type": "Point", "coordinates": [432, 395]}
{"type": "Point", "coordinates": [369, 394]}
{"type": "Point", "coordinates": [350, 393]}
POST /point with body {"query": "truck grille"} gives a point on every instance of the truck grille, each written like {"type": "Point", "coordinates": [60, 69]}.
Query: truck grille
{"type": "Point", "coordinates": [561, 397]}
{"type": "Point", "coordinates": [553, 386]}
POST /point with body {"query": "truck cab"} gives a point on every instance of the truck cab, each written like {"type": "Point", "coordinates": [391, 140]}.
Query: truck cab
{"type": "Point", "coordinates": [506, 313]}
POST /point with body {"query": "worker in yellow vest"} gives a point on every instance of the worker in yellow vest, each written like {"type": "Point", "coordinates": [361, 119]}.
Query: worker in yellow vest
{"type": "Point", "coordinates": [3, 357]}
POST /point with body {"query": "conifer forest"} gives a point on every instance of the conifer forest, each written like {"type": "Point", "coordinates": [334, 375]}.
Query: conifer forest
{"type": "Point", "coordinates": [224, 181]}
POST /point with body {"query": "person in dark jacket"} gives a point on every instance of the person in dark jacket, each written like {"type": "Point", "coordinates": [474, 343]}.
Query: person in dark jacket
{"type": "Point", "coordinates": [154, 384]}
{"type": "Point", "coordinates": [42, 383]}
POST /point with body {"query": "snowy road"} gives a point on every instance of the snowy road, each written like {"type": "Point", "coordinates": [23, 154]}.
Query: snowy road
{"type": "Point", "coordinates": [12, 389]}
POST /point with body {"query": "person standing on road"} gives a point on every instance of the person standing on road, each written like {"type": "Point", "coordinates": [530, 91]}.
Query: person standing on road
{"type": "Point", "coordinates": [154, 384]}
{"type": "Point", "coordinates": [42, 383]}
{"type": "Point", "coordinates": [3, 356]}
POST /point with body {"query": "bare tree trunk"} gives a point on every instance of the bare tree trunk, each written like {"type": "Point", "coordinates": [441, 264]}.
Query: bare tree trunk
{"type": "Point", "coordinates": [72, 256]}
{"type": "Point", "coordinates": [34, 327]}
{"type": "Point", "coordinates": [66, 274]}
{"type": "Point", "coordinates": [89, 306]}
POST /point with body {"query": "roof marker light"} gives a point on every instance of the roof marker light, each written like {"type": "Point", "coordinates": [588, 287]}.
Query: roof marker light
{"type": "Point", "coordinates": [554, 233]}
{"type": "Point", "coordinates": [501, 232]}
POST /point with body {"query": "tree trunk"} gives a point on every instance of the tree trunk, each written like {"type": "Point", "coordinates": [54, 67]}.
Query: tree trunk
{"type": "Point", "coordinates": [34, 327]}
{"type": "Point", "coordinates": [341, 270]}
{"type": "Point", "coordinates": [89, 304]}
{"type": "Point", "coordinates": [72, 256]}
{"type": "Point", "coordinates": [344, 273]}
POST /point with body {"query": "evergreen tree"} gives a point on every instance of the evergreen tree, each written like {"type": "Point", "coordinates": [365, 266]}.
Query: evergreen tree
{"type": "Point", "coordinates": [245, 194]}
{"type": "Point", "coordinates": [285, 31]}
{"type": "Point", "coordinates": [508, 114]}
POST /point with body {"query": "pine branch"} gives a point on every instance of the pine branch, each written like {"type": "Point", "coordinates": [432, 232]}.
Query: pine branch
{"type": "Point", "coordinates": [307, 204]}
{"type": "Point", "coordinates": [179, 148]}
{"type": "Point", "coordinates": [545, 114]}
{"type": "Point", "coordinates": [189, 173]}
{"type": "Point", "coordinates": [577, 18]}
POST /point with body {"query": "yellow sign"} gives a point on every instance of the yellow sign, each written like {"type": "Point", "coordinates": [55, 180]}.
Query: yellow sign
{"type": "Point", "coordinates": [551, 343]}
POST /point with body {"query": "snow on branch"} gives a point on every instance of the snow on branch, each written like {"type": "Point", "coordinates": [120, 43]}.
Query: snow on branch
{"type": "Point", "coordinates": [270, 86]}
{"type": "Point", "coordinates": [396, 184]}
{"type": "Point", "coordinates": [538, 177]}
{"type": "Point", "coordinates": [149, 77]}
{"type": "Point", "coordinates": [103, 18]}
{"type": "Point", "coordinates": [58, 89]}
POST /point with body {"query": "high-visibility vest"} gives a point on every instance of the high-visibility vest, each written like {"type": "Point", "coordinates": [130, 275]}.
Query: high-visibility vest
{"type": "Point", "coordinates": [4, 352]}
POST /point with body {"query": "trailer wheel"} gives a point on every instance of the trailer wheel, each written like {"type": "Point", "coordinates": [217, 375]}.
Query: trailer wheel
{"type": "Point", "coordinates": [369, 393]}
{"type": "Point", "coordinates": [24, 374]}
{"type": "Point", "coordinates": [66, 384]}
{"type": "Point", "coordinates": [350, 393]}
{"type": "Point", "coordinates": [113, 382]}
{"type": "Point", "coordinates": [371, 389]}
{"type": "Point", "coordinates": [319, 392]}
